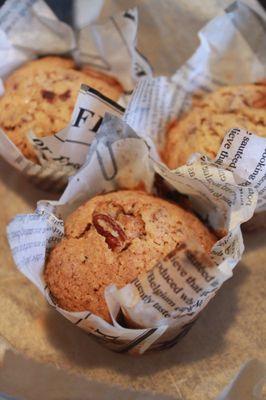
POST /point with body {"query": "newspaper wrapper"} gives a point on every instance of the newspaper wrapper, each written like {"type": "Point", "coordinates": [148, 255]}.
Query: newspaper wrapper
{"type": "Point", "coordinates": [163, 303]}
{"type": "Point", "coordinates": [29, 29]}
{"type": "Point", "coordinates": [232, 51]}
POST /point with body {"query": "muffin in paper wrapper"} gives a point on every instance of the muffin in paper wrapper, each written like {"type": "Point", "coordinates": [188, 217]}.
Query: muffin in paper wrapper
{"type": "Point", "coordinates": [235, 54]}
{"type": "Point", "coordinates": [30, 29]}
{"type": "Point", "coordinates": [161, 305]}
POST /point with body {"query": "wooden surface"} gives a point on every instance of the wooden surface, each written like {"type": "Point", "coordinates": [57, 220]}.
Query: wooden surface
{"type": "Point", "coordinates": [230, 331]}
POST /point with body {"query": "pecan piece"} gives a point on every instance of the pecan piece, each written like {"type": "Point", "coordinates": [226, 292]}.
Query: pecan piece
{"type": "Point", "coordinates": [66, 95]}
{"type": "Point", "coordinates": [260, 102]}
{"type": "Point", "coordinates": [48, 95]}
{"type": "Point", "coordinates": [114, 235]}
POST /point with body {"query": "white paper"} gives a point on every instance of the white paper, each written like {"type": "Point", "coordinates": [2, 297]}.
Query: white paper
{"type": "Point", "coordinates": [68, 148]}
{"type": "Point", "coordinates": [245, 153]}
{"type": "Point", "coordinates": [154, 104]}
{"type": "Point", "coordinates": [111, 47]}
{"type": "Point", "coordinates": [232, 51]}
{"type": "Point", "coordinates": [28, 29]}
{"type": "Point", "coordinates": [167, 300]}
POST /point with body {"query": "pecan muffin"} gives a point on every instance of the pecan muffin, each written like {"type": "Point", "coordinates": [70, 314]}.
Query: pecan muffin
{"type": "Point", "coordinates": [112, 239]}
{"type": "Point", "coordinates": [203, 128]}
{"type": "Point", "coordinates": [40, 96]}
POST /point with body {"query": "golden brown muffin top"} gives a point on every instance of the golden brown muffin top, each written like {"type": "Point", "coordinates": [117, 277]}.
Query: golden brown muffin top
{"type": "Point", "coordinates": [112, 239]}
{"type": "Point", "coordinates": [203, 128]}
{"type": "Point", "coordinates": [40, 96]}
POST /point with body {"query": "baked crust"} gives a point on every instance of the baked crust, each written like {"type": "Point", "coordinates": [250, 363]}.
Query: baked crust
{"type": "Point", "coordinates": [202, 129]}
{"type": "Point", "coordinates": [40, 96]}
{"type": "Point", "coordinates": [112, 239]}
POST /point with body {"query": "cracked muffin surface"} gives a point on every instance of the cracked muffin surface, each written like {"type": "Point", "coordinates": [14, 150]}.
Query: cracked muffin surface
{"type": "Point", "coordinates": [40, 96]}
{"type": "Point", "coordinates": [112, 239]}
{"type": "Point", "coordinates": [202, 129]}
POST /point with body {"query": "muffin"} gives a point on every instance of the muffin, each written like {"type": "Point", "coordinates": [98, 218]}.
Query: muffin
{"type": "Point", "coordinates": [40, 96]}
{"type": "Point", "coordinates": [203, 128]}
{"type": "Point", "coordinates": [112, 239]}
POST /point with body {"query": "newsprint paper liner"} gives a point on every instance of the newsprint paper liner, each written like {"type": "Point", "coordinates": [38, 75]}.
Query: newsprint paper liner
{"type": "Point", "coordinates": [161, 305]}
{"type": "Point", "coordinates": [232, 54]}
{"type": "Point", "coordinates": [232, 51]}
{"type": "Point", "coordinates": [29, 28]}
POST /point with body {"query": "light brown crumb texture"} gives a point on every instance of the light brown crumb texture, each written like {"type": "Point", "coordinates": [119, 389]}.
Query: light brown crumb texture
{"type": "Point", "coordinates": [203, 128]}
{"type": "Point", "coordinates": [112, 239]}
{"type": "Point", "coordinates": [40, 96]}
